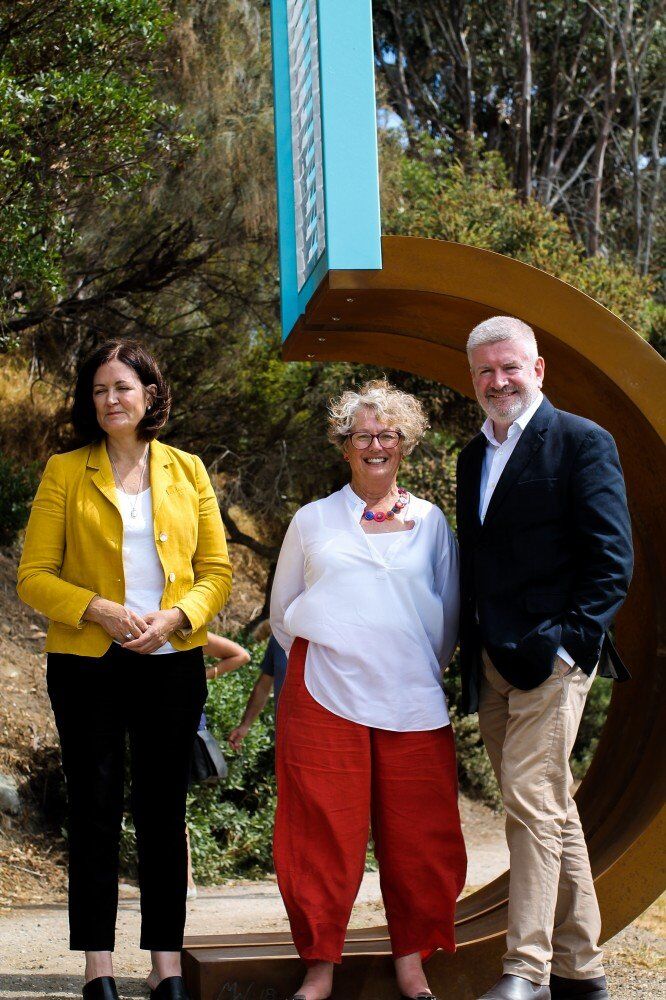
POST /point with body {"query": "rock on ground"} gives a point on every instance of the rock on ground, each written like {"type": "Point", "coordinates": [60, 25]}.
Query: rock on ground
{"type": "Point", "coordinates": [9, 795]}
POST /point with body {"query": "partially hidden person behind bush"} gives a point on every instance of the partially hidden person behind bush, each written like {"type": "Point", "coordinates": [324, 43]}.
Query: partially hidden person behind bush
{"type": "Point", "coordinates": [125, 554]}
{"type": "Point", "coordinates": [273, 669]}
{"type": "Point", "coordinates": [366, 602]}
{"type": "Point", "coordinates": [230, 656]}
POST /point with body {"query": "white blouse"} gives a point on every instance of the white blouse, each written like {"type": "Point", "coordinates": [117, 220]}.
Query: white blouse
{"type": "Point", "coordinates": [144, 575]}
{"type": "Point", "coordinates": [381, 616]}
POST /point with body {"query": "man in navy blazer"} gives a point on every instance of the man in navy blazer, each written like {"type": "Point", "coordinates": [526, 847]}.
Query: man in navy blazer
{"type": "Point", "coordinates": [546, 560]}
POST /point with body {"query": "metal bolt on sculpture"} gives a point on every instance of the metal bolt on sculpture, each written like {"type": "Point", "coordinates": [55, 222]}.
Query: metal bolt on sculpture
{"type": "Point", "coordinates": [348, 295]}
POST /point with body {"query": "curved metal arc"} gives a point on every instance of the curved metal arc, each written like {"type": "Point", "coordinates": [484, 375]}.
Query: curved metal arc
{"type": "Point", "coordinates": [415, 315]}
{"type": "Point", "coordinates": [443, 289]}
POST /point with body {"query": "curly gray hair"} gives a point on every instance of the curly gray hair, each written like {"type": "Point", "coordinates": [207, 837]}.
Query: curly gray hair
{"type": "Point", "coordinates": [395, 408]}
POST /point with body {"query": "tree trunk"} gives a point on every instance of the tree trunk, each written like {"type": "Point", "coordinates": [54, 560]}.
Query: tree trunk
{"type": "Point", "coordinates": [653, 202]}
{"type": "Point", "coordinates": [524, 180]}
{"type": "Point", "coordinates": [599, 157]}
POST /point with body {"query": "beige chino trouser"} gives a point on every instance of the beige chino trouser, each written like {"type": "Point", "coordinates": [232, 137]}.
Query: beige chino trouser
{"type": "Point", "coordinates": [554, 916]}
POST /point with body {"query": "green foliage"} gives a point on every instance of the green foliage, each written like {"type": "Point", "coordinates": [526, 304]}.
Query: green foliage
{"type": "Point", "coordinates": [470, 199]}
{"type": "Point", "coordinates": [475, 773]}
{"type": "Point", "coordinates": [591, 724]}
{"type": "Point", "coordinates": [79, 123]}
{"type": "Point", "coordinates": [231, 824]}
{"type": "Point", "coordinates": [657, 334]}
{"type": "Point", "coordinates": [18, 482]}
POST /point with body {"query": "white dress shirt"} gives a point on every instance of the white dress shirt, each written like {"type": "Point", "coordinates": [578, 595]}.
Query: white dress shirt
{"type": "Point", "coordinates": [495, 460]}
{"type": "Point", "coordinates": [380, 611]}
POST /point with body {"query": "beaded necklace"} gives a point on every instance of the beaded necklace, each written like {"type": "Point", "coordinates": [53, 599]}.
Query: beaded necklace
{"type": "Point", "coordinates": [380, 515]}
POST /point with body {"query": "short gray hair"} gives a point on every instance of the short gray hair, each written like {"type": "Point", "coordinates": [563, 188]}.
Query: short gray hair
{"type": "Point", "coordinates": [499, 328]}
{"type": "Point", "coordinates": [390, 405]}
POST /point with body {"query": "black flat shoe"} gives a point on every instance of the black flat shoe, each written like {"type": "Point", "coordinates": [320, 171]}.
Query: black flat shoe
{"type": "Point", "coordinates": [102, 988]}
{"type": "Point", "coordinates": [171, 988]}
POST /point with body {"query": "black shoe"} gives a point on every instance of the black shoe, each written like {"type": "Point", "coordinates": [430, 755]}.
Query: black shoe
{"type": "Point", "coordinates": [511, 987]}
{"type": "Point", "coordinates": [171, 988]}
{"type": "Point", "coordinates": [102, 988]}
{"type": "Point", "coordinates": [572, 989]}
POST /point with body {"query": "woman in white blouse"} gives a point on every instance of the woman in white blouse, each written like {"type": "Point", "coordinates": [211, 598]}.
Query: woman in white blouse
{"type": "Point", "coordinates": [365, 601]}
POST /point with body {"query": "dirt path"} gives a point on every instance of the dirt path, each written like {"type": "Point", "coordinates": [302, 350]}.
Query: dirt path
{"type": "Point", "coordinates": [34, 948]}
{"type": "Point", "coordinates": [35, 961]}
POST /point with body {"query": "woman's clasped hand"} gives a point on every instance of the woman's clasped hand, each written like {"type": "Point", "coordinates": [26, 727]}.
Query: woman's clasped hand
{"type": "Point", "coordinates": [140, 633]}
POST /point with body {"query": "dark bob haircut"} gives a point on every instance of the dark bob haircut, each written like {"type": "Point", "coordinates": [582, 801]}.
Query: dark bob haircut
{"type": "Point", "coordinates": [136, 357]}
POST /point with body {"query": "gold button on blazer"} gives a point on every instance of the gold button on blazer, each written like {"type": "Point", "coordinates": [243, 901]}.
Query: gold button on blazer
{"type": "Point", "coordinates": [74, 545]}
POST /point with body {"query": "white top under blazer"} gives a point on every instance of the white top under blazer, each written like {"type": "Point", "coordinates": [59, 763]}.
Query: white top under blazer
{"type": "Point", "coordinates": [380, 612]}
{"type": "Point", "coordinates": [144, 576]}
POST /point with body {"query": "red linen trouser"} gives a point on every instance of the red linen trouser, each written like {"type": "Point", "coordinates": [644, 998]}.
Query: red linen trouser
{"type": "Point", "coordinates": [333, 777]}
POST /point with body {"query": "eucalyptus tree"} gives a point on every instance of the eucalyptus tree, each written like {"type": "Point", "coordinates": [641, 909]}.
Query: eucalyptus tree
{"type": "Point", "coordinates": [571, 92]}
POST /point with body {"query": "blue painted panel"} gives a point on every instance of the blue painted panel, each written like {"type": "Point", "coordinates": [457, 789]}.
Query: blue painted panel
{"type": "Point", "coordinates": [349, 149]}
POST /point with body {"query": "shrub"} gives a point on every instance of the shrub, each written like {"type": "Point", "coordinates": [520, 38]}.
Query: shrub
{"type": "Point", "coordinates": [475, 773]}
{"type": "Point", "coordinates": [591, 724]}
{"type": "Point", "coordinates": [471, 199]}
{"type": "Point", "coordinates": [231, 824]}
{"type": "Point", "coordinates": [18, 482]}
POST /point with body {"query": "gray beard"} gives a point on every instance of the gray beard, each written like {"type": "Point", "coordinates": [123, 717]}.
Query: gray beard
{"type": "Point", "coordinates": [523, 401]}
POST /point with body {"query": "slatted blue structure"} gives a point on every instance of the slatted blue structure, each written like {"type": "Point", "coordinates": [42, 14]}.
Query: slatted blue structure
{"type": "Point", "coordinates": [325, 143]}
{"type": "Point", "coordinates": [306, 124]}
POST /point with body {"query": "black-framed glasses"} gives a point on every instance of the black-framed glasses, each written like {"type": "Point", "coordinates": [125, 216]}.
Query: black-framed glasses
{"type": "Point", "coordinates": [362, 439]}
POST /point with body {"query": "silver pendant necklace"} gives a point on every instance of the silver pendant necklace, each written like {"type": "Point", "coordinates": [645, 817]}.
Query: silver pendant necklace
{"type": "Point", "coordinates": [133, 510]}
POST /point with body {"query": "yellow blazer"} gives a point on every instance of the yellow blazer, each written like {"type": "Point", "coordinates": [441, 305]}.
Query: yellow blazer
{"type": "Point", "coordinates": [73, 547]}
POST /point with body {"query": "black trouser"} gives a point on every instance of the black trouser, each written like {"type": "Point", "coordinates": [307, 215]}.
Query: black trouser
{"type": "Point", "coordinates": [157, 701]}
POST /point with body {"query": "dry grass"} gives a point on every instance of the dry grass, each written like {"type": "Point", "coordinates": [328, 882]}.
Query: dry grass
{"type": "Point", "coordinates": [30, 413]}
{"type": "Point", "coordinates": [654, 918]}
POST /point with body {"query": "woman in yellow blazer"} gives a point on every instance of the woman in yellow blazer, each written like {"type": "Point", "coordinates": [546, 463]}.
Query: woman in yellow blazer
{"type": "Point", "coordinates": [125, 554]}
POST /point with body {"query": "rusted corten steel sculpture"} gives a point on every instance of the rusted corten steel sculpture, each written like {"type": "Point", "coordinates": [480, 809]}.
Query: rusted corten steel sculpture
{"type": "Point", "coordinates": [414, 314]}
{"type": "Point", "coordinates": [348, 295]}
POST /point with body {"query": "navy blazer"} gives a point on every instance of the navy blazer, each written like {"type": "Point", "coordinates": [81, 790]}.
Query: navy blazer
{"type": "Point", "coordinates": [552, 561]}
